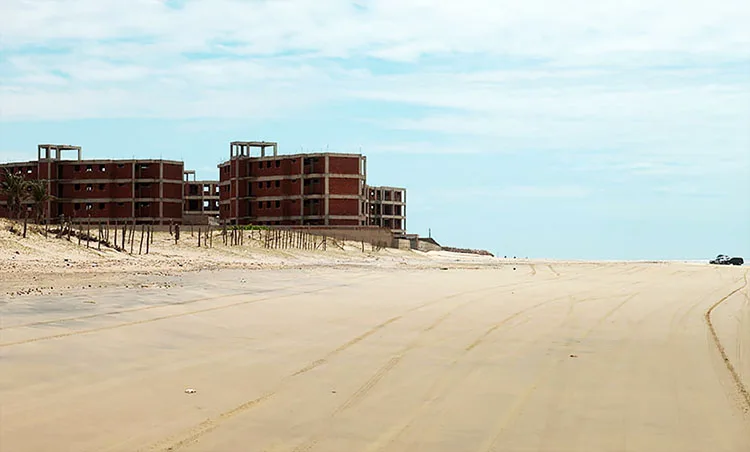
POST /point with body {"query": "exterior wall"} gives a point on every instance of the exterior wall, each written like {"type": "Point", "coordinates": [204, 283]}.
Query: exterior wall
{"type": "Point", "coordinates": [344, 186]}
{"type": "Point", "coordinates": [146, 191]}
{"type": "Point", "coordinates": [343, 165]}
{"type": "Point", "coordinates": [301, 189]}
{"type": "Point", "coordinates": [346, 207]}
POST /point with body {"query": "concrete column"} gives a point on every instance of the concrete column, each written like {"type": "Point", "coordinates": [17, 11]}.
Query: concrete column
{"type": "Point", "coordinates": [403, 210]}
{"type": "Point", "coordinates": [326, 192]}
{"type": "Point", "coordinates": [161, 192]}
{"type": "Point", "coordinates": [236, 190]}
{"type": "Point", "coordinates": [49, 188]}
{"type": "Point", "coordinates": [365, 195]}
{"type": "Point", "coordinates": [132, 187]}
{"type": "Point", "coordinates": [302, 190]}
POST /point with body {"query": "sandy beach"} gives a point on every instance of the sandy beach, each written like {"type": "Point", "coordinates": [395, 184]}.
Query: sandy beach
{"type": "Point", "coordinates": [414, 354]}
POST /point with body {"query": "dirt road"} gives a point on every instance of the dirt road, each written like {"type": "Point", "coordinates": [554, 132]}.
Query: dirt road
{"type": "Point", "coordinates": [549, 357]}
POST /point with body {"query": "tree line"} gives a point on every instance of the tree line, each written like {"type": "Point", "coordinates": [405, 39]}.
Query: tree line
{"type": "Point", "coordinates": [18, 191]}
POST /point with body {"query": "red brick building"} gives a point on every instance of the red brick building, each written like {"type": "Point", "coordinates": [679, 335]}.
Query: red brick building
{"type": "Point", "coordinates": [301, 189]}
{"type": "Point", "coordinates": [145, 191]}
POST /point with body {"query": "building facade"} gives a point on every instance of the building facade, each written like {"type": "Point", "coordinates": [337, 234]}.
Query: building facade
{"type": "Point", "coordinates": [315, 189]}
{"type": "Point", "coordinates": [387, 208]}
{"type": "Point", "coordinates": [144, 191]}
{"type": "Point", "coordinates": [201, 199]}
{"type": "Point", "coordinates": [302, 189]}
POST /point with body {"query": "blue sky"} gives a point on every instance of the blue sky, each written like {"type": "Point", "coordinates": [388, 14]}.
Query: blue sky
{"type": "Point", "coordinates": [566, 129]}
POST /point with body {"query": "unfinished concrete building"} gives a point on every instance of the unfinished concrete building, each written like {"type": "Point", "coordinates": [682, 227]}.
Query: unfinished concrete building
{"type": "Point", "coordinates": [314, 189]}
{"type": "Point", "coordinates": [302, 189]}
{"type": "Point", "coordinates": [387, 208]}
{"type": "Point", "coordinates": [201, 199]}
{"type": "Point", "coordinates": [143, 191]}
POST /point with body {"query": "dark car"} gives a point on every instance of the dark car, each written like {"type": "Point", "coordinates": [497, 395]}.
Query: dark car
{"type": "Point", "coordinates": [722, 259]}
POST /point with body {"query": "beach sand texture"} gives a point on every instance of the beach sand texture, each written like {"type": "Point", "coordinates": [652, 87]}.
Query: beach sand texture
{"type": "Point", "coordinates": [546, 357]}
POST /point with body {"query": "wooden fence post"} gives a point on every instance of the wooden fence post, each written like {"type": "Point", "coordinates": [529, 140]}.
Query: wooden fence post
{"type": "Point", "coordinates": [140, 244]}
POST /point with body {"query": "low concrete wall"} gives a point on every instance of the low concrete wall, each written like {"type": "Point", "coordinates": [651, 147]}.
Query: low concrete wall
{"type": "Point", "coordinates": [376, 236]}
{"type": "Point", "coordinates": [199, 219]}
{"type": "Point", "coordinates": [402, 244]}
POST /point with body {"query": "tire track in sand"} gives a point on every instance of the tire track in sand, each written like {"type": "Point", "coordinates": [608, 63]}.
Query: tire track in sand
{"type": "Point", "coordinates": [363, 390]}
{"type": "Point", "coordinates": [194, 434]}
{"type": "Point", "coordinates": [517, 407]}
{"type": "Point", "coordinates": [380, 326]}
{"type": "Point", "coordinates": [742, 391]}
{"type": "Point", "coordinates": [443, 384]}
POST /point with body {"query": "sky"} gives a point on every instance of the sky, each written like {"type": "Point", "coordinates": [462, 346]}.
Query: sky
{"type": "Point", "coordinates": [564, 129]}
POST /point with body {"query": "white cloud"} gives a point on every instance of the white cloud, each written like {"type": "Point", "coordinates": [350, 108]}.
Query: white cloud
{"type": "Point", "coordinates": [644, 78]}
{"type": "Point", "coordinates": [396, 28]}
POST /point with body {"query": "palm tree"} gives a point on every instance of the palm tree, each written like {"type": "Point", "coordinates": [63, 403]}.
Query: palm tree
{"type": "Point", "coordinates": [14, 187]}
{"type": "Point", "coordinates": [39, 196]}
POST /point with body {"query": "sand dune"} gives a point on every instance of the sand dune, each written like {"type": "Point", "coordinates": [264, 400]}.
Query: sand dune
{"type": "Point", "coordinates": [547, 357]}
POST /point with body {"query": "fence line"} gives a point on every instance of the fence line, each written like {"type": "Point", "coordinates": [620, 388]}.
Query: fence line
{"type": "Point", "coordinates": [122, 237]}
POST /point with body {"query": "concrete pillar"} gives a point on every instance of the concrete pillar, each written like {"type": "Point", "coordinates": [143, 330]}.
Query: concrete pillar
{"type": "Point", "coordinates": [161, 192]}
{"type": "Point", "coordinates": [132, 185]}
{"type": "Point", "coordinates": [364, 187]}
{"type": "Point", "coordinates": [236, 184]}
{"type": "Point", "coordinates": [49, 188]}
{"type": "Point", "coordinates": [302, 190]}
{"type": "Point", "coordinates": [326, 192]}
